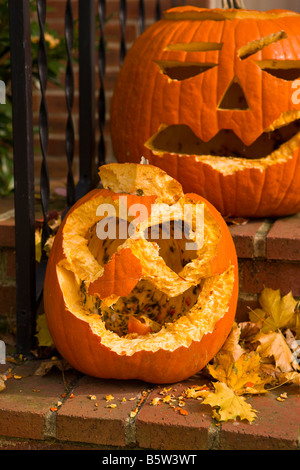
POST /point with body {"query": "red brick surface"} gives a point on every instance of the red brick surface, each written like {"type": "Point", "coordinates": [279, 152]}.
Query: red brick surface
{"type": "Point", "coordinates": [243, 236]}
{"type": "Point", "coordinates": [92, 421]}
{"type": "Point", "coordinates": [276, 426]}
{"type": "Point", "coordinates": [163, 427]}
{"type": "Point", "coordinates": [7, 233]}
{"type": "Point", "coordinates": [26, 400]}
{"type": "Point", "coordinates": [283, 240]}
{"type": "Point", "coordinates": [27, 422]}
{"type": "Point", "coordinates": [257, 274]}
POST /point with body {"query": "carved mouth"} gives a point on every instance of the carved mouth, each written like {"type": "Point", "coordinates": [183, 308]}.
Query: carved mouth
{"type": "Point", "coordinates": [180, 139]}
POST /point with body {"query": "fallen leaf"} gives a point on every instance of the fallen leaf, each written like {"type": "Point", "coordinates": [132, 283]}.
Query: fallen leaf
{"type": "Point", "coordinates": [46, 366]}
{"type": "Point", "coordinates": [229, 405]}
{"type": "Point", "coordinates": [232, 345]}
{"type": "Point", "coordinates": [42, 333]}
{"type": "Point", "coordinates": [38, 245]}
{"type": "Point", "coordinates": [290, 377]}
{"type": "Point", "coordinates": [276, 312]}
{"type": "Point", "coordinates": [274, 345]}
{"type": "Point", "coordinates": [2, 382]}
{"type": "Point", "coordinates": [236, 220]}
{"type": "Point", "coordinates": [239, 374]}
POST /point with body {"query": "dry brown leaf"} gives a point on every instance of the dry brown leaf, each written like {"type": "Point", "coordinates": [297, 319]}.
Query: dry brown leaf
{"type": "Point", "coordinates": [274, 345]}
{"type": "Point", "coordinates": [46, 366]}
{"type": "Point", "coordinates": [294, 323]}
{"type": "Point", "coordinates": [249, 330]}
{"type": "Point", "coordinates": [232, 345]}
{"type": "Point", "coordinates": [2, 382]}
{"type": "Point", "coordinates": [290, 377]}
{"type": "Point", "coordinates": [293, 344]}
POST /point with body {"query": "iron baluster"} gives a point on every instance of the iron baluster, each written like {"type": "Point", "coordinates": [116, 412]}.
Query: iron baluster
{"type": "Point", "coordinates": [20, 49]}
{"type": "Point", "coordinates": [101, 71]}
{"type": "Point", "coordinates": [141, 19]}
{"type": "Point", "coordinates": [157, 13]}
{"type": "Point", "coordinates": [44, 133]}
{"type": "Point", "coordinates": [87, 166]}
{"type": "Point", "coordinates": [69, 85]}
{"type": "Point", "coordinates": [123, 13]}
{"type": "Point", "coordinates": [43, 119]}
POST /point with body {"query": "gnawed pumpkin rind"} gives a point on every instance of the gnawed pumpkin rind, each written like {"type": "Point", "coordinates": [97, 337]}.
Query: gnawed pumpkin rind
{"type": "Point", "coordinates": [171, 352]}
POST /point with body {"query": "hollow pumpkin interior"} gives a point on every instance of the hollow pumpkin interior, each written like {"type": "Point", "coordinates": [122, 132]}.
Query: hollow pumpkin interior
{"type": "Point", "coordinates": [153, 276]}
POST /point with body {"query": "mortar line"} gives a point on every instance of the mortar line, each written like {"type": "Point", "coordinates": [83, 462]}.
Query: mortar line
{"type": "Point", "coordinates": [259, 242]}
{"type": "Point", "coordinates": [50, 418]}
{"type": "Point", "coordinates": [130, 422]}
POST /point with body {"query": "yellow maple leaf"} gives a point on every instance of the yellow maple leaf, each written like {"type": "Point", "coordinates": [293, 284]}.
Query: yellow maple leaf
{"type": "Point", "coordinates": [243, 375]}
{"type": "Point", "coordinates": [230, 406]}
{"type": "Point", "coordinates": [276, 312]}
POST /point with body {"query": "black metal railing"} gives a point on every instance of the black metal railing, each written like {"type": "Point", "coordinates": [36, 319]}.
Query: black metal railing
{"type": "Point", "coordinates": [29, 279]}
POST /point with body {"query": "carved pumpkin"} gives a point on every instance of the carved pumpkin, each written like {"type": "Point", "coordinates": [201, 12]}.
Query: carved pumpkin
{"type": "Point", "coordinates": [211, 97]}
{"type": "Point", "coordinates": [134, 307]}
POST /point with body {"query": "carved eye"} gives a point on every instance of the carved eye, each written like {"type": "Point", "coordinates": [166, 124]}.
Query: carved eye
{"type": "Point", "coordinates": [177, 70]}
{"type": "Point", "coordinates": [285, 69]}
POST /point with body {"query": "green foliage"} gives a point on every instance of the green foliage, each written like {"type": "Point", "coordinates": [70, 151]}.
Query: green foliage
{"type": "Point", "coordinates": [56, 55]}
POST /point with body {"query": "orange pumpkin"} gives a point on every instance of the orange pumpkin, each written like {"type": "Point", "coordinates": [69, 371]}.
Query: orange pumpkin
{"type": "Point", "coordinates": [211, 97]}
{"type": "Point", "coordinates": [134, 307]}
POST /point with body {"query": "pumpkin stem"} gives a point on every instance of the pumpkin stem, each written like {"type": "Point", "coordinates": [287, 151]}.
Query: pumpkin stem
{"type": "Point", "coordinates": [239, 4]}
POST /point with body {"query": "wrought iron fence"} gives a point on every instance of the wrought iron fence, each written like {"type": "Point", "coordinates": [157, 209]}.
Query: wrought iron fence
{"type": "Point", "coordinates": [29, 278]}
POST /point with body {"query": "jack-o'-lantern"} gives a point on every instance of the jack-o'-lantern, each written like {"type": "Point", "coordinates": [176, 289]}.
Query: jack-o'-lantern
{"type": "Point", "coordinates": [212, 97]}
{"type": "Point", "coordinates": [126, 295]}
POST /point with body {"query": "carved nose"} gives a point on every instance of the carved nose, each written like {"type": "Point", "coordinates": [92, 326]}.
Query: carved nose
{"type": "Point", "coordinates": [234, 97]}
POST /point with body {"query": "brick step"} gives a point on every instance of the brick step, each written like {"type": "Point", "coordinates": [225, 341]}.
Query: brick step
{"type": "Point", "coordinates": [269, 256]}
{"type": "Point", "coordinates": [31, 416]}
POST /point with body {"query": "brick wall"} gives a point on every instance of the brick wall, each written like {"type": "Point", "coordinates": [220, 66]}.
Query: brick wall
{"type": "Point", "coordinates": [55, 96]}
